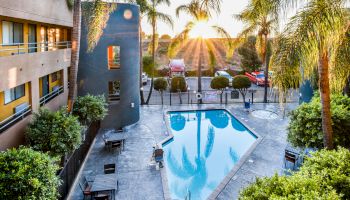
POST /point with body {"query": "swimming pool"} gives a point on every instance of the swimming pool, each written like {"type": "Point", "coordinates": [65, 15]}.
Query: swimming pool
{"type": "Point", "coordinates": [206, 145]}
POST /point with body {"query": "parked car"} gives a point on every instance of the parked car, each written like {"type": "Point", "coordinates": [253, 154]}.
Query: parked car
{"type": "Point", "coordinates": [144, 78]}
{"type": "Point", "coordinates": [225, 74]}
{"type": "Point", "coordinates": [257, 78]}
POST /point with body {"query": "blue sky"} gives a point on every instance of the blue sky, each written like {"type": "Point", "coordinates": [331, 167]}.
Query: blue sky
{"type": "Point", "coordinates": [224, 19]}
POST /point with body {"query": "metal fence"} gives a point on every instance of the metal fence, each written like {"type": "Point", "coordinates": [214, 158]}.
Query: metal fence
{"type": "Point", "coordinates": [72, 166]}
{"type": "Point", "coordinates": [217, 97]}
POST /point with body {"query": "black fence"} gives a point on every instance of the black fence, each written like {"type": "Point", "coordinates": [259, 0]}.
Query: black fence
{"type": "Point", "coordinates": [229, 96]}
{"type": "Point", "coordinates": [73, 164]}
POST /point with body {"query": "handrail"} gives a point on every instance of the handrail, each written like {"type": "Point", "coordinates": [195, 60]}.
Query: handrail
{"type": "Point", "coordinates": [21, 114]}
{"type": "Point", "coordinates": [43, 100]}
{"type": "Point", "coordinates": [18, 48]}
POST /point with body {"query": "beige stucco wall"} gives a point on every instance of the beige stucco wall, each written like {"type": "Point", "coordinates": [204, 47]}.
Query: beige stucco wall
{"type": "Point", "coordinates": [46, 11]}
{"type": "Point", "coordinates": [18, 69]}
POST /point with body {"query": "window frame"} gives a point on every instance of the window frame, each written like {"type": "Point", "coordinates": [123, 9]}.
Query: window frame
{"type": "Point", "coordinates": [118, 65]}
{"type": "Point", "coordinates": [21, 38]}
{"type": "Point", "coordinates": [15, 95]}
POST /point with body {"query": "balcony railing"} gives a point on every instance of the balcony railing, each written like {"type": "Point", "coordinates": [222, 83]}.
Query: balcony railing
{"type": "Point", "coordinates": [11, 120]}
{"type": "Point", "coordinates": [114, 97]}
{"type": "Point", "coordinates": [24, 48]}
{"type": "Point", "coordinates": [57, 91]}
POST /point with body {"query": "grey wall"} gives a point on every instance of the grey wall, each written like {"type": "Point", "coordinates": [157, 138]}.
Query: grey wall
{"type": "Point", "coordinates": [94, 75]}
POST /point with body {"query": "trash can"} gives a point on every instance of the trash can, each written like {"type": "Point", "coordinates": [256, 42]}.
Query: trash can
{"type": "Point", "coordinates": [246, 105]}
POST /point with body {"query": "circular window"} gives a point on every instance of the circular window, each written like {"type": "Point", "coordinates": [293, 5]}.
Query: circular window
{"type": "Point", "coordinates": [127, 14]}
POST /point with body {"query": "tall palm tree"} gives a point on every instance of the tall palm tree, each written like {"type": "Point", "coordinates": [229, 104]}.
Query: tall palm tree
{"type": "Point", "coordinates": [200, 11]}
{"type": "Point", "coordinates": [318, 44]}
{"type": "Point", "coordinates": [153, 15]}
{"type": "Point", "coordinates": [260, 17]}
{"type": "Point", "coordinates": [74, 53]}
{"type": "Point", "coordinates": [144, 7]}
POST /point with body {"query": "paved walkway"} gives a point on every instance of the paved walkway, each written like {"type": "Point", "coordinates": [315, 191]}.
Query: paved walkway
{"type": "Point", "coordinates": [138, 180]}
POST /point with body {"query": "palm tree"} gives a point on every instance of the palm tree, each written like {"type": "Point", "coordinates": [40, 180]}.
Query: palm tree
{"type": "Point", "coordinates": [260, 17]}
{"type": "Point", "coordinates": [74, 53]}
{"type": "Point", "coordinates": [153, 15]}
{"type": "Point", "coordinates": [200, 11]}
{"type": "Point", "coordinates": [144, 7]}
{"type": "Point", "coordinates": [320, 45]}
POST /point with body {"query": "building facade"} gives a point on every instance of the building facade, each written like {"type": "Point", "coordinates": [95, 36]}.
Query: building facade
{"type": "Point", "coordinates": [35, 52]}
{"type": "Point", "coordinates": [113, 67]}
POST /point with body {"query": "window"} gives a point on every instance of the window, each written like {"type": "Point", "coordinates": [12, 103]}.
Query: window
{"type": "Point", "coordinates": [14, 93]}
{"type": "Point", "coordinates": [55, 76]}
{"type": "Point", "coordinates": [114, 91]}
{"type": "Point", "coordinates": [114, 57]}
{"type": "Point", "coordinates": [12, 33]}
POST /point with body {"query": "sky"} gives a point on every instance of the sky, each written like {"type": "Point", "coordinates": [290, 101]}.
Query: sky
{"type": "Point", "coordinates": [225, 19]}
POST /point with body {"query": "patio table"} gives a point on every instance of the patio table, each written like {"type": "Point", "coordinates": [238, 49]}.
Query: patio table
{"type": "Point", "coordinates": [105, 183]}
{"type": "Point", "coordinates": [115, 137]}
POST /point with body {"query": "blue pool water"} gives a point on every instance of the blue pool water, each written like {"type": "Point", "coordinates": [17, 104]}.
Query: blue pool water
{"type": "Point", "coordinates": [205, 147]}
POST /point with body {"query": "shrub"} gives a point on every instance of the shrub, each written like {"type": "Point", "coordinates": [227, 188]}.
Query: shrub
{"type": "Point", "coordinates": [160, 84]}
{"type": "Point", "coordinates": [249, 57]}
{"type": "Point", "coordinates": [219, 83]}
{"type": "Point", "coordinates": [162, 72]}
{"type": "Point", "coordinates": [241, 83]}
{"type": "Point", "coordinates": [178, 83]}
{"type": "Point", "coordinates": [305, 127]}
{"type": "Point", "coordinates": [28, 174]}
{"type": "Point", "coordinates": [325, 175]}
{"type": "Point", "coordinates": [90, 108]}
{"type": "Point", "coordinates": [57, 133]}
{"type": "Point", "coordinates": [148, 65]}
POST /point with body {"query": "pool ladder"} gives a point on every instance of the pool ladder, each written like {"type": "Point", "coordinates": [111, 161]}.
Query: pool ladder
{"type": "Point", "coordinates": [188, 195]}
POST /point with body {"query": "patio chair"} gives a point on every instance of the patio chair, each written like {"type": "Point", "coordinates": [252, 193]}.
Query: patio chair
{"type": "Point", "coordinates": [116, 145]}
{"type": "Point", "coordinates": [86, 189]}
{"type": "Point", "coordinates": [290, 156]}
{"type": "Point", "coordinates": [109, 168]}
{"type": "Point", "coordinates": [101, 196]}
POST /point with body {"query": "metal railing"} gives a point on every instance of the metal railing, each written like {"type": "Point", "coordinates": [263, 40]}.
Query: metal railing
{"type": "Point", "coordinates": [24, 48]}
{"type": "Point", "coordinates": [51, 95]}
{"type": "Point", "coordinates": [8, 122]}
{"type": "Point", "coordinates": [113, 97]}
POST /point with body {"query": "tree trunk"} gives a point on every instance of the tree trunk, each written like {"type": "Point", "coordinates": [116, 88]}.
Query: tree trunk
{"type": "Point", "coordinates": [266, 63]}
{"type": "Point", "coordinates": [347, 87]}
{"type": "Point", "coordinates": [323, 70]}
{"type": "Point", "coordinates": [74, 54]}
{"type": "Point", "coordinates": [161, 96]}
{"type": "Point", "coordinates": [153, 51]}
{"type": "Point", "coordinates": [199, 70]}
{"type": "Point", "coordinates": [141, 64]}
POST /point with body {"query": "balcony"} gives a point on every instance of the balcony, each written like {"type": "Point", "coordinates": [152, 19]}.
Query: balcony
{"type": "Point", "coordinates": [20, 112]}
{"type": "Point", "coordinates": [56, 91]}
{"type": "Point", "coordinates": [25, 48]}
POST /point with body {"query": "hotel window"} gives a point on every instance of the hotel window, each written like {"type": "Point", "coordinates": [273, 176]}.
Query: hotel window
{"type": "Point", "coordinates": [12, 33]}
{"type": "Point", "coordinates": [114, 91]}
{"type": "Point", "coordinates": [114, 57]}
{"type": "Point", "coordinates": [14, 93]}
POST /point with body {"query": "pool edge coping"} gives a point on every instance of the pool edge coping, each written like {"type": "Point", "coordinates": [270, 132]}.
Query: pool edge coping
{"type": "Point", "coordinates": [229, 176]}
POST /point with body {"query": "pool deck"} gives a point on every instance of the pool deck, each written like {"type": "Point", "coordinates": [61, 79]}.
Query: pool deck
{"type": "Point", "coordinates": [139, 180]}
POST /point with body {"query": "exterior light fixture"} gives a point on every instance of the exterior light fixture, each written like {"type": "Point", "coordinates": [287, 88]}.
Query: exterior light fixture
{"type": "Point", "coordinates": [127, 14]}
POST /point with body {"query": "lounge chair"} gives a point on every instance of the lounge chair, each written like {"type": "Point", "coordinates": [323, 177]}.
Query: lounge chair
{"type": "Point", "coordinates": [158, 156]}
{"type": "Point", "coordinates": [290, 156]}
{"type": "Point", "coordinates": [85, 188]}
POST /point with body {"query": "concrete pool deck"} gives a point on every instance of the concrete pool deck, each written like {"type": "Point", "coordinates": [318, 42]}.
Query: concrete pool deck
{"type": "Point", "coordinates": [139, 180]}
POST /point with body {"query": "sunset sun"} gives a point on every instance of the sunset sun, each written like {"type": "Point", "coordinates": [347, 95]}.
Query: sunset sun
{"type": "Point", "coordinates": [200, 30]}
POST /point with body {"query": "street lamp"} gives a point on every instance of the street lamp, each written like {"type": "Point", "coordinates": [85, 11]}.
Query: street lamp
{"type": "Point", "coordinates": [188, 93]}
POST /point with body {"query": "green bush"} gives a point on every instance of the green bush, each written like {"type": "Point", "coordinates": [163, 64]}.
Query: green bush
{"type": "Point", "coordinates": [90, 108]}
{"type": "Point", "coordinates": [249, 57]}
{"type": "Point", "coordinates": [27, 174]}
{"type": "Point", "coordinates": [305, 127]}
{"type": "Point", "coordinates": [57, 133]}
{"type": "Point", "coordinates": [148, 65]}
{"type": "Point", "coordinates": [242, 84]}
{"type": "Point", "coordinates": [178, 83]}
{"type": "Point", "coordinates": [160, 84]}
{"type": "Point", "coordinates": [219, 83]}
{"type": "Point", "coordinates": [325, 175]}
